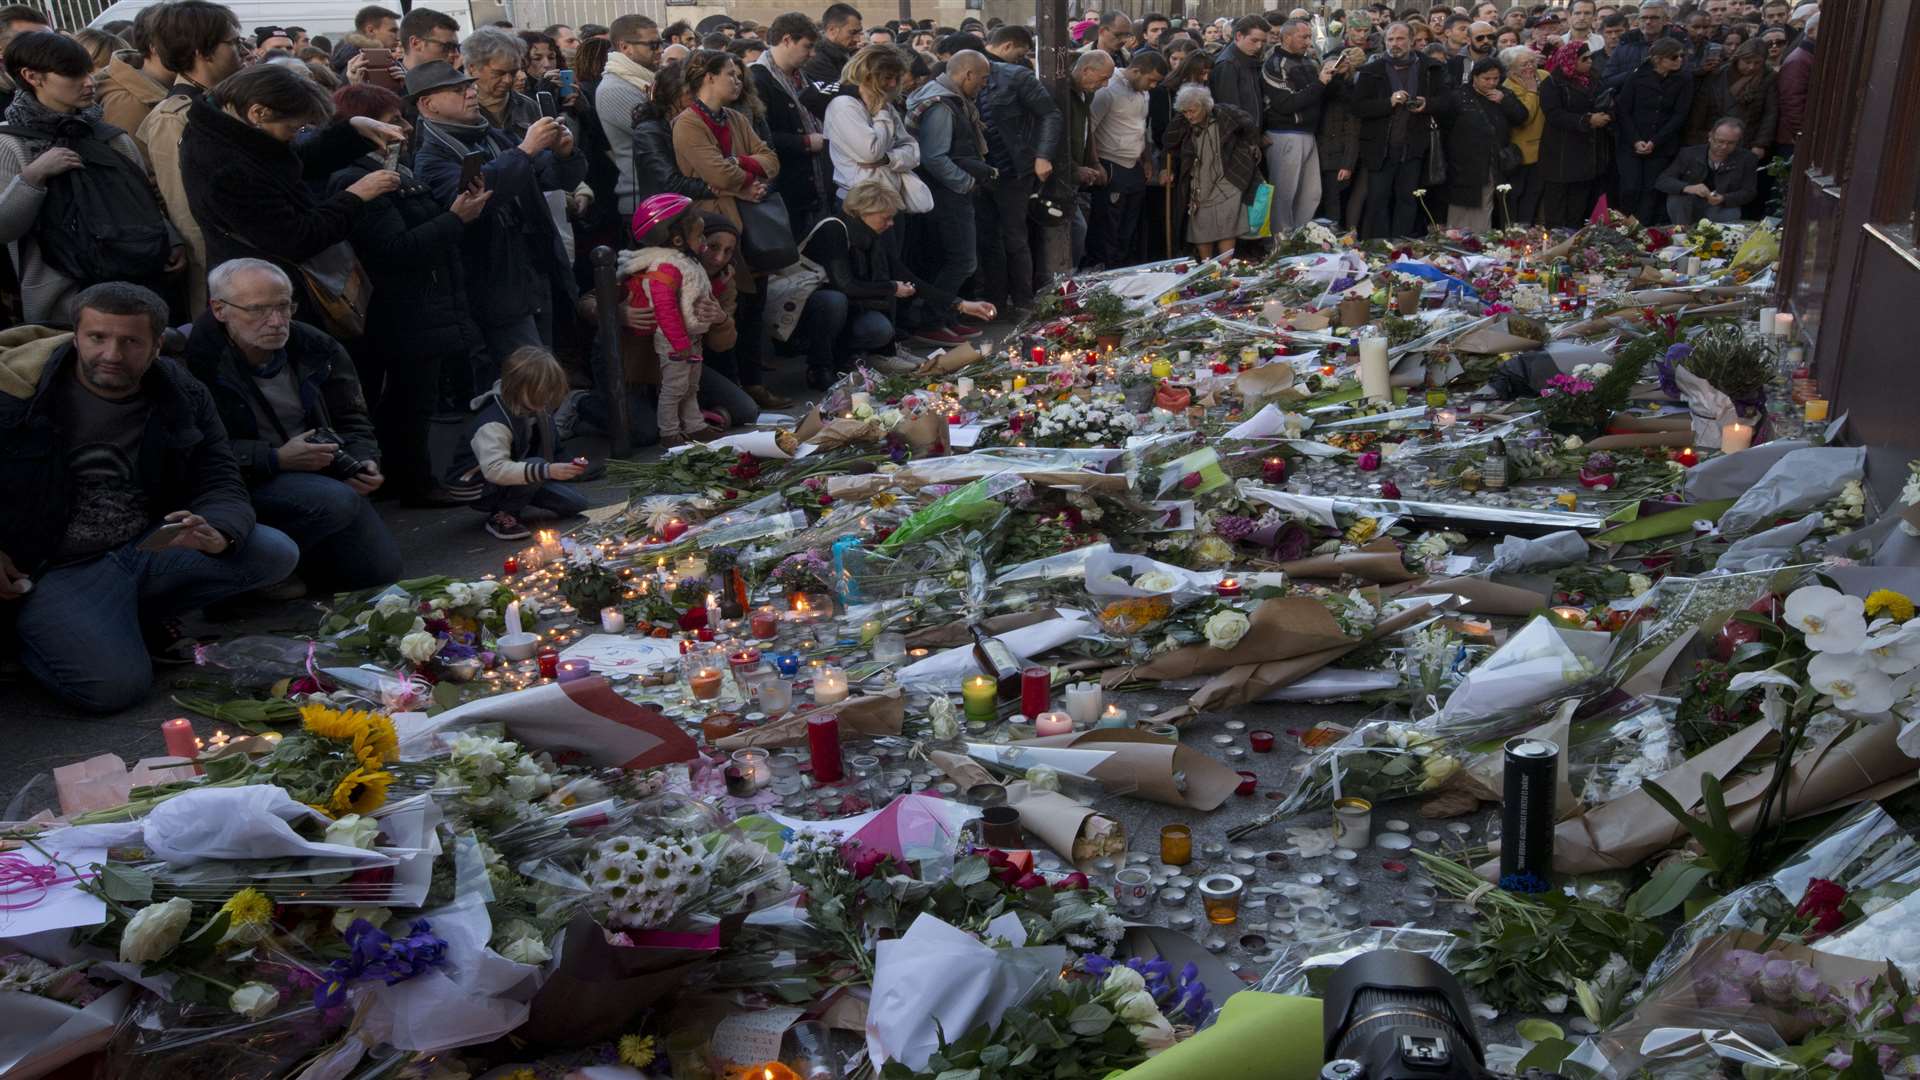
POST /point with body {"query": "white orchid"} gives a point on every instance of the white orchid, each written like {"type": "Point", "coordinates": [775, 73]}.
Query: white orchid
{"type": "Point", "coordinates": [1895, 650]}
{"type": "Point", "coordinates": [1832, 621]}
{"type": "Point", "coordinates": [1852, 681]}
{"type": "Point", "coordinates": [1910, 496]}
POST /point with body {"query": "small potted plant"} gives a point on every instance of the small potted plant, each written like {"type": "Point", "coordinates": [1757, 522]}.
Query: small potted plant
{"type": "Point", "coordinates": [588, 587]}
{"type": "Point", "coordinates": [1111, 313]}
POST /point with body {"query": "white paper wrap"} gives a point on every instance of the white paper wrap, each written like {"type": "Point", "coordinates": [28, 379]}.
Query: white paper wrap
{"type": "Point", "coordinates": [945, 670]}
{"type": "Point", "coordinates": [251, 822]}
{"type": "Point", "coordinates": [1537, 662]}
{"type": "Point", "coordinates": [938, 972]}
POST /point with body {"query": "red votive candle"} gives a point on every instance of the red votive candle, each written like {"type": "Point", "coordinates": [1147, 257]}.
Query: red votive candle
{"type": "Point", "coordinates": [823, 744]}
{"type": "Point", "coordinates": [1036, 690]}
{"type": "Point", "coordinates": [1039, 354]}
{"type": "Point", "coordinates": [1248, 783]}
{"type": "Point", "coordinates": [511, 566]}
{"type": "Point", "coordinates": [766, 624]}
{"type": "Point", "coordinates": [1262, 741]}
{"type": "Point", "coordinates": [549, 661]}
{"type": "Point", "coordinates": [705, 633]}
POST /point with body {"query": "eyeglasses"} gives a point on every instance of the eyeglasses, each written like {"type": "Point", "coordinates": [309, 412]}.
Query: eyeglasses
{"type": "Point", "coordinates": [1483, 37]}
{"type": "Point", "coordinates": [283, 309]}
{"type": "Point", "coordinates": [645, 43]}
{"type": "Point", "coordinates": [443, 45]}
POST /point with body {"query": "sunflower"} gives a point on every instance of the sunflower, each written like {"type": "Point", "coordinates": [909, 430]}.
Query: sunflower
{"type": "Point", "coordinates": [377, 742]}
{"type": "Point", "coordinates": [1893, 605]}
{"type": "Point", "coordinates": [361, 792]}
{"type": "Point", "coordinates": [340, 724]}
{"type": "Point", "coordinates": [636, 1051]}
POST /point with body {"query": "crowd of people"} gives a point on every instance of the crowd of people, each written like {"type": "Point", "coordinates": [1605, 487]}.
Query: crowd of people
{"type": "Point", "coordinates": [251, 270]}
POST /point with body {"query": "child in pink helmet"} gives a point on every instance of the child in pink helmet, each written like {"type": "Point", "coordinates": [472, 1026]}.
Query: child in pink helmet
{"type": "Point", "coordinates": [665, 275]}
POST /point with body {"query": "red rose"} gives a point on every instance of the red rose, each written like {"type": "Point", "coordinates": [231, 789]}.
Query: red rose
{"type": "Point", "coordinates": [1389, 489]}
{"type": "Point", "coordinates": [1030, 881]}
{"type": "Point", "coordinates": [826, 500]}
{"type": "Point", "coordinates": [1190, 481]}
{"type": "Point", "coordinates": [1075, 880]}
{"type": "Point", "coordinates": [1822, 906]}
{"type": "Point", "coordinates": [866, 862]}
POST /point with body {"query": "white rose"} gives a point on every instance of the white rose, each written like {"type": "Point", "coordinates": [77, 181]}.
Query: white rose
{"type": "Point", "coordinates": [419, 646]}
{"type": "Point", "coordinates": [1224, 629]}
{"type": "Point", "coordinates": [863, 411]}
{"type": "Point", "coordinates": [254, 1000]}
{"type": "Point", "coordinates": [483, 590]}
{"type": "Point", "coordinates": [525, 787]}
{"type": "Point", "coordinates": [155, 930]}
{"type": "Point", "coordinates": [891, 418]}
{"type": "Point", "coordinates": [1573, 442]}
{"type": "Point", "coordinates": [1638, 584]}
{"type": "Point", "coordinates": [1155, 1035]}
{"type": "Point", "coordinates": [523, 944]}
{"type": "Point", "coordinates": [1156, 581]}
{"type": "Point", "coordinates": [363, 618]}
{"type": "Point", "coordinates": [1138, 1007]}
{"type": "Point", "coordinates": [459, 595]}
{"type": "Point", "coordinates": [420, 624]}
{"type": "Point", "coordinates": [1122, 980]}
{"type": "Point", "coordinates": [353, 830]}
{"type": "Point", "coordinates": [391, 603]}
{"type": "Point", "coordinates": [480, 755]}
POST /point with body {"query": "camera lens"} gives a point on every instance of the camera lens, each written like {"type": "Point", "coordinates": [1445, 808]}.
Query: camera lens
{"type": "Point", "coordinates": [1399, 1015]}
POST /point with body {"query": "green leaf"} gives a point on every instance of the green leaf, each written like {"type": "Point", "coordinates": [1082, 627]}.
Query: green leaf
{"type": "Point", "coordinates": [124, 884]}
{"type": "Point", "coordinates": [1668, 889]}
{"type": "Point", "coordinates": [1536, 1030]}
{"type": "Point", "coordinates": [1668, 523]}
{"type": "Point", "coordinates": [959, 1074]}
{"type": "Point", "coordinates": [1546, 1056]}
{"type": "Point", "coordinates": [969, 871]}
{"type": "Point", "coordinates": [1090, 1019]}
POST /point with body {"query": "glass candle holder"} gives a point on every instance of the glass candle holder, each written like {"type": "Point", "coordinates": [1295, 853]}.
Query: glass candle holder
{"type": "Point", "coordinates": [752, 763]}
{"type": "Point", "coordinates": [829, 685]}
{"type": "Point", "coordinates": [1036, 690]}
{"type": "Point", "coordinates": [977, 692]}
{"type": "Point", "coordinates": [1133, 890]}
{"type": "Point", "coordinates": [890, 647]}
{"type": "Point", "coordinates": [719, 725]}
{"type": "Point", "coordinates": [775, 695]}
{"type": "Point", "coordinates": [1220, 896]}
{"type": "Point", "coordinates": [1176, 844]}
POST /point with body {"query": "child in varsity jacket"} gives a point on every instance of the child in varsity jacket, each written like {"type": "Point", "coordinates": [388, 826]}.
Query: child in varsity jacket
{"type": "Point", "coordinates": [506, 463]}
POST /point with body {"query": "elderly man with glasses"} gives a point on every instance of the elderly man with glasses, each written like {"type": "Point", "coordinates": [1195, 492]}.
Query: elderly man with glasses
{"type": "Point", "coordinates": [1712, 181]}
{"type": "Point", "coordinates": [297, 420]}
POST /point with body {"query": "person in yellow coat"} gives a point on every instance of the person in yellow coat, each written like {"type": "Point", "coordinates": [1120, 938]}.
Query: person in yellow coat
{"type": "Point", "coordinates": [1523, 82]}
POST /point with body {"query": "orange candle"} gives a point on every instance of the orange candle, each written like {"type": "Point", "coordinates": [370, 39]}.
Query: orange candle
{"type": "Point", "coordinates": [705, 684]}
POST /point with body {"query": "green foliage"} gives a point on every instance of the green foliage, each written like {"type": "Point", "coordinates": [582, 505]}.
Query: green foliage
{"type": "Point", "coordinates": [588, 587]}
{"type": "Point", "coordinates": [1736, 362]}
{"type": "Point", "coordinates": [1061, 1034]}
{"type": "Point", "coordinates": [1110, 311]}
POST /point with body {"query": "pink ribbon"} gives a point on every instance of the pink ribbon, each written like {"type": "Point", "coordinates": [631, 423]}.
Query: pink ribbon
{"type": "Point", "coordinates": [19, 876]}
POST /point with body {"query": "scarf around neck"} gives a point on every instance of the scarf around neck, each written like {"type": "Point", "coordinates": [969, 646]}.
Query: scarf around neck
{"type": "Point", "coordinates": [25, 111]}
{"type": "Point", "coordinates": [1564, 64]}
{"type": "Point", "coordinates": [620, 67]}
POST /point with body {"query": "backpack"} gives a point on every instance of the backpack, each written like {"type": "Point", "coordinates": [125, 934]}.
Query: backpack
{"type": "Point", "coordinates": [101, 222]}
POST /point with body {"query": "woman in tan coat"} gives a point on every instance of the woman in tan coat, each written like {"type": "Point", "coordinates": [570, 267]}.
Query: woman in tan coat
{"type": "Point", "coordinates": [716, 142]}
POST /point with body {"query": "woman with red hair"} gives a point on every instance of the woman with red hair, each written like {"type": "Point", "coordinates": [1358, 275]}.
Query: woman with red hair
{"type": "Point", "coordinates": [417, 324]}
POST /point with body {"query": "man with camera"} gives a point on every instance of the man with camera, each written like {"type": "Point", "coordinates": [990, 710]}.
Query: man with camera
{"type": "Point", "coordinates": [294, 412]}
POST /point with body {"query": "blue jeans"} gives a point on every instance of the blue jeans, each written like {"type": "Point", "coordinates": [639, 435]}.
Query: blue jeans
{"type": "Point", "coordinates": [343, 543]}
{"type": "Point", "coordinates": [833, 329]}
{"type": "Point", "coordinates": [80, 626]}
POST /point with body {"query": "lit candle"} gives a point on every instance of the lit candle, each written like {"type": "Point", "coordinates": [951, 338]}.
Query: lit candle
{"type": "Point", "coordinates": [612, 621]}
{"type": "Point", "coordinates": [569, 670]}
{"type": "Point", "coordinates": [1375, 375]}
{"type": "Point", "coordinates": [1228, 587]}
{"type": "Point", "coordinates": [549, 662]}
{"type": "Point", "coordinates": [787, 663]}
{"type": "Point", "coordinates": [870, 629]}
{"type": "Point", "coordinates": [705, 683]}
{"type": "Point", "coordinates": [752, 763]}
{"type": "Point", "coordinates": [673, 530]}
{"type": "Point", "coordinates": [511, 566]}
{"type": "Point", "coordinates": [1019, 382]}
{"type": "Point", "coordinates": [179, 737]}
{"type": "Point", "coordinates": [765, 623]}
{"type": "Point", "coordinates": [1160, 368]}
{"type": "Point", "coordinates": [1816, 409]}
{"type": "Point", "coordinates": [1688, 457]}
{"type": "Point", "coordinates": [549, 545]}
{"type": "Point", "coordinates": [513, 617]}
{"type": "Point", "coordinates": [977, 693]}
{"type": "Point", "coordinates": [1570, 615]}
{"type": "Point", "coordinates": [1274, 470]}
{"type": "Point", "coordinates": [1444, 419]}
{"type": "Point", "coordinates": [1115, 717]}
{"type": "Point", "coordinates": [829, 685]}
{"type": "Point", "coordinates": [1083, 702]}
{"type": "Point", "coordinates": [1038, 354]}
{"type": "Point", "coordinates": [1052, 723]}
{"type": "Point", "coordinates": [743, 659]}
{"type": "Point", "coordinates": [1327, 370]}
{"type": "Point", "coordinates": [1735, 437]}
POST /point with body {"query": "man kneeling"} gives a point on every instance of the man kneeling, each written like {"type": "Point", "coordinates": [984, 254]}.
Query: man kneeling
{"type": "Point", "coordinates": [125, 505]}
{"type": "Point", "coordinates": [292, 405]}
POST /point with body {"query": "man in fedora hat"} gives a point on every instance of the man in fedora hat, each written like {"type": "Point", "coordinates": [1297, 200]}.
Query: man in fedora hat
{"type": "Point", "coordinates": [517, 270]}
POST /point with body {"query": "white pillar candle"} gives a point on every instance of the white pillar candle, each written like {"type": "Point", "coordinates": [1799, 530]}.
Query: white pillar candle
{"type": "Point", "coordinates": [1052, 723]}
{"type": "Point", "coordinates": [1083, 702]}
{"type": "Point", "coordinates": [612, 621]}
{"type": "Point", "coordinates": [1693, 266]}
{"type": "Point", "coordinates": [1374, 373]}
{"type": "Point", "coordinates": [829, 685]}
{"type": "Point", "coordinates": [513, 617]}
{"type": "Point", "coordinates": [1735, 437]}
{"type": "Point", "coordinates": [1783, 325]}
{"type": "Point", "coordinates": [962, 386]}
{"type": "Point", "coordinates": [1766, 320]}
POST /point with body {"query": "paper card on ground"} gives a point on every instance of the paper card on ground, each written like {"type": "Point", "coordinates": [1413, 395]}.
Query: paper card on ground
{"type": "Point", "coordinates": [752, 1037]}
{"type": "Point", "coordinates": [64, 906]}
{"type": "Point", "coordinates": [611, 654]}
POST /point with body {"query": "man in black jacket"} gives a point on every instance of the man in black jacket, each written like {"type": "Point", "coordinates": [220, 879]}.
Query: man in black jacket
{"type": "Point", "coordinates": [1624, 59]}
{"type": "Point", "coordinates": [138, 511]}
{"type": "Point", "coordinates": [840, 36]}
{"type": "Point", "coordinates": [297, 420]}
{"type": "Point", "coordinates": [1236, 71]}
{"type": "Point", "coordinates": [1025, 138]}
{"type": "Point", "coordinates": [1712, 181]}
{"type": "Point", "coordinates": [793, 130]}
{"type": "Point", "coordinates": [1295, 88]}
{"type": "Point", "coordinates": [1398, 96]}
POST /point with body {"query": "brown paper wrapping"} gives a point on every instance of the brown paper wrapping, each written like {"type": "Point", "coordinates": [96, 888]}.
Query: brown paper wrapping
{"type": "Point", "coordinates": [1626, 832]}
{"type": "Point", "coordinates": [961, 769]}
{"type": "Point", "coordinates": [597, 990]}
{"type": "Point", "coordinates": [1252, 682]}
{"type": "Point", "coordinates": [1280, 314]}
{"type": "Point", "coordinates": [1057, 820]}
{"type": "Point", "coordinates": [1148, 764]}
{"type": "Point", "coordinates": [847, 432]}
{"type": "Point", "coordinates": [924, 432]}
{"type": "Point", "coordinates": [949, 634]}
{"type": "Point", "coordinates": [1478, 595]}
{"type": "Point", "coordinates": [1279, 628]}
{"type": "Point", "coordinates": [950, 361]}
{"type": "Point", "coordinates": [870, 715]}
{"type": "Point", "coordinates": [809, 425]}
{"type": "Point", "coordinates": [1264, 381]}
{"type": "Point", "coordinates": [1378, 562]}
{"type": "Point", "coordinates": [1489, 340]}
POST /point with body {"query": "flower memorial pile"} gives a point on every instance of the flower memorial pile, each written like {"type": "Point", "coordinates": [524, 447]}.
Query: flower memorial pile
{"type": "Point", "coordinates": [1035, 712]}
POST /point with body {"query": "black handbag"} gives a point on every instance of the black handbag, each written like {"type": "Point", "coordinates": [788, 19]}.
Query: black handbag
{"type": "Point", "coordinates": [766, 234]}
{"type": "Point", "coordinates": [1509, 160]}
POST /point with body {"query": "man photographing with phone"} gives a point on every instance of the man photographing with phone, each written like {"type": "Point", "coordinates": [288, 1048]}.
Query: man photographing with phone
{"type": "Point", "coordinates": [104, 445]}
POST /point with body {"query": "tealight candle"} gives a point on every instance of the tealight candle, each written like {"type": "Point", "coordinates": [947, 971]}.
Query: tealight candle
{"type": "Point", "coordinates": [1083, 702]}
{"type": "Point", "coordinates": [1688, 457]}
{"type": "Point", "coordinates": [829, 685]}
{"type": "Point", "coordinates": [1735, 437]}
{"type": "Point", "coordinates": [1113, 716]}
{"type": "Point", "coordinates": [1816, 409]}
{"type": "Point", "coordinates": [1228, 587]}
{"type": "Point", "coordinates": [1052, 723]}
{"type": "Point", "coordinates": [1261, 741]}
{"type": "Point", "coordinates": [612, 620]}
{"type": "Point", "coordinates": [977, 693]}
{"type": "Point", "coordinates": [787, 663]}
{"type": "Point", "coordinates": [179, 737]}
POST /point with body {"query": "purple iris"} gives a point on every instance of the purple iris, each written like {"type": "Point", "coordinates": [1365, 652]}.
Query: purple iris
{"type": "Point", "coordinates": [374, 954]}
{"type": "Point", "coordinates": [1668, 363]}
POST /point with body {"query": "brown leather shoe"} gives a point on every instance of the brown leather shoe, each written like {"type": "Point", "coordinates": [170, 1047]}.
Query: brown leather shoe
{"type": "Point", "coordinates": [766, 398]}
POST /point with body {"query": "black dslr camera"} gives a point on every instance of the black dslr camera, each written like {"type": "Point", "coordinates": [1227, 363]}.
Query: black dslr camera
{"type": "Point", "coordinates": [1392, 1015]}
{"type": "Point", "coordinates": [344, 465]}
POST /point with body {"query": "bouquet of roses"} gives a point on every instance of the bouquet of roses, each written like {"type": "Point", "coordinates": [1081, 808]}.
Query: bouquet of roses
{"type": "Point", "coordinates": [420, 620]}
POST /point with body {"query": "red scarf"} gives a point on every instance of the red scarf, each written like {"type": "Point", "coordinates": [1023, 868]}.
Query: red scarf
{"type": "Point", "coordinates": [1565, 63]}
{"type": "Point", "coordinates": [723, 134]}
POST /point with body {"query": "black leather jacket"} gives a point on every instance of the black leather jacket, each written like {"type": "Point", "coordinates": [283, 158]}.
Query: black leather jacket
{"type": "Point", "coordinates": [1022, 120]}
{"type": "Point", "coordinates": [653, 161]}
